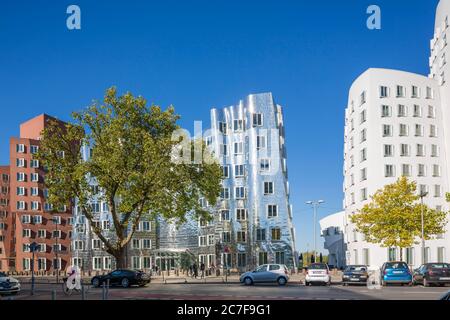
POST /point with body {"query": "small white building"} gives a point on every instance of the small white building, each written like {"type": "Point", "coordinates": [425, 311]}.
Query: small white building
{"type": "Point", "coordinates": [332, 230]}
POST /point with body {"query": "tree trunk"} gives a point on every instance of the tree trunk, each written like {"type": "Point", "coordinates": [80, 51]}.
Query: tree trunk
{"type": "Point", "coordinates": [121, 258]}
{"type": "Point", "coordinates": [401, 254]}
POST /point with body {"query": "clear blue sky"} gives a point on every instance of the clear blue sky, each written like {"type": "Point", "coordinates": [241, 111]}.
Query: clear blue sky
{"type": "Point", "coordinates": [196, 54]}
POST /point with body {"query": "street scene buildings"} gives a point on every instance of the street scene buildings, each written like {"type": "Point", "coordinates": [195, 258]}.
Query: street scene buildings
{"type": "Point", "coordinates": [252, 221]}
{"type": "Point", "coordinates": [396, 124]}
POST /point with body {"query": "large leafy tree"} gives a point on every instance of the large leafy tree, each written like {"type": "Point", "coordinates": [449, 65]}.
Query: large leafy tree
{"type": "Point", "coordinates": [393, 217]}
{"type": "Point", "coordinates": [133, 164]}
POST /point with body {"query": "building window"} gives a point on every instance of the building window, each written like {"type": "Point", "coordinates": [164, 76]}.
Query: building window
{"type": "Point", "coordinates": [241, 214]}
{"type": "Point", "coordinates": [404, 150]}
{"type": "Point", "coordinates": [262, 258]}
{"type": "Point", "coordinates": [223, 127]}
{"type": "Point", "coordinates": [279, 257]}
{"type": "Point", "coordinates": [419, 130]}
{"type": "Point", "coordinates": [26, 233]}
{"type": "Point", "coordinates": [433, 131]}
{"type": "Point", "coordinates": [362, 98]}
{"type": "Point", "coordinates": [423, 189]}
{"type": "Point", "coordinates": [20, 148]}
{"type": "Point", "coordinates": [388, 150]}
{"type": "Point", "coordinates": [276, 234]}
{"type": "Point", "coordinates": [239, 170]}
{"type": "Point", "coordinates": [400, 91]}
{"type": "Point", "coordinates": [363, 116]}
{"type": "Point", "coordinates": [146, 244]}
{"type": "Point", "coordinates": [389, 170]}
{"type": "Point", "coordinates": [225, 215]}
{"type": "Point", "coordinates": [363, 135]}
{"type": "Point", "coordinates": [415, 92]}
{"type": "Point", "coordinates": [406, 170]}
{"type": "Point", "coordinates": [34, 149]}
{"type": "Point", "coordinates": [385, 111]}
{"type": "Point", "coordinates": [387, 130]}
{"type": "Point", "coordinates": [97, 263]}
{"type": "Point", "coordinates": [429, 93]}
{"type": "Point", "coordinates": [420, 150]}
{"type": "Point", "coordinates": [427, 254]}
{"type": "Point", "coordinates": [441, 254]}
{"type": "Point", "coordinates": [20, 163]}
{"type": "Point", "coordinates": [268, 187]}
{"type": "Point", "coordinates": [242, 260]}
{"type": "Point", "coordinates": [417, 111]}
{"type": "Point", "coordinates": [239, 192]}
{"type": "Point", "coordinates": [238, 148]}
{"type": "Point", "coordinates": [238, 125]}
{"type": "Point", "coordinates": [211, 240]}
{"type": "Point", "coordinates": [34, 177]}
{"type": "Point", "coordinates": [436, 170]}
{"type": "Point", "coordinates": [20, 191]}
{"type": "Point", "coordinates": [225, 193]}
{"type": "Point", "coordinates": [272, 210]}
{"type": "Point", "coordinates": [403, 130]}
{"type": "Point", "coordinates": [26, 264]}
{"type": "Point", "coordinates": [202, 241]}
{"type": "Point", "coordinates": [42, 264]}
{"type": "Point", "coordinates": [402, 110]}
{"type": "Point", "coordinates": [34, 164]}
{"type": "Point", "coordinates": [437, 191]}
{"type": "Point", "coordinates": [260, 142]}
{"type": "Point", "coordinates": [241, 236]}
{"type": "Point", "coordinates": [392, 254]}
{"type": "Point", "coordinates": [260, 234]}
{"type": "Point", "coordinates": [34, 191]}
{"type": "Point", "coordinates": [421, 170]}
{"type": "Point", "coordinates": [364, 174]}
{"type": "Point", "coordinates": [363, 154]}
{"type": "Point", "coordinates": [225, 171]}
{"type": "Point", "coordinates": [257, 119]}
{"type": "Point", "coordinates": [364, 194]}
{"type": "Point", "coordinates": [35, 205]}
{"type": "Point", "coordinates": [410, 256]}
{"type": "Point", "coordinates": [265, 165]}
{"type": "Point", "coordinates": [431, 112]}
{"type": "Point", "coordinates": [366, 257]}
{"type": "Point", "coordinates": [226, 237]}
{"type": "Point", "coordinates": [384, 92]}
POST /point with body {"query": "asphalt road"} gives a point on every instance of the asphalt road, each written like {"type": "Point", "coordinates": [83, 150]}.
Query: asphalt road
{"type": "Point", "coordinates": [292, 291]}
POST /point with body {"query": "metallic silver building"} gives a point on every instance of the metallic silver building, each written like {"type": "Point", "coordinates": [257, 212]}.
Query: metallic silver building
{"type": "Point", "coordinates": [253, 223]}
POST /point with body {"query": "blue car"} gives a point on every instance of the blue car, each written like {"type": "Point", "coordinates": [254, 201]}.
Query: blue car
{"type": "Point", "coordinates": [396, 272]}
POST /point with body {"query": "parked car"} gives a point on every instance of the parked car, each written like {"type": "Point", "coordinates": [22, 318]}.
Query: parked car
{"type": "Point", "coordinates": [267, 273]}
{"type": "Point", "coordinates": [8, 285]}
{"type": "Point", "coordinates": [432, 273]}
{"type": "Point", "coordinates": [446, 296]}
{"type": "Point", "coordinates": [122, 277]}
{"type": "Point", "coordinates": [318, 273]}
{"type": "Point", "coordinates": [355, 274]}
{"type": "Point", "coordinates": [395, 272]}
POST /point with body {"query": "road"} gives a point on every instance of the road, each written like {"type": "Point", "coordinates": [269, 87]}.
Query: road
{"type": "Point", "coordinates": [234, 291]}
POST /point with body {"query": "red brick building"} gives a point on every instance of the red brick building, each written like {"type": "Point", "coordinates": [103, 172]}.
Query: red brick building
{"type": "Point", "coordinates": [5, 220]}
{"type": "Point", "coordinates": [30, 219]}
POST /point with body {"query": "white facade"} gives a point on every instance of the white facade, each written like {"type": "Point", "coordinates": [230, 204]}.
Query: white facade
{"type": "Point", "coordinates": [397, 123]}
{"type": "Point", "coordinates": [332, 230]}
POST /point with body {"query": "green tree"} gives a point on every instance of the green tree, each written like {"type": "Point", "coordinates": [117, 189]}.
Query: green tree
{"type": "Point", "coordinates": [132, 162]}
{"type": "Point", "coordinates": [393, 217]}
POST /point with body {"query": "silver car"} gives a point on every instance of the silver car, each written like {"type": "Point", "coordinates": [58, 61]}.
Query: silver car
{"type": "Point", "coordinates": [267, 273]}
{"type": "Point", "coordinates": [8, 285]}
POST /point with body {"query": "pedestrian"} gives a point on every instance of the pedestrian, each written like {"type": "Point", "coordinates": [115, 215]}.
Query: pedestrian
{"type": "Point", "coordinates": [202, 269]}
{"type": "Point", "coordinates": [195, 270]}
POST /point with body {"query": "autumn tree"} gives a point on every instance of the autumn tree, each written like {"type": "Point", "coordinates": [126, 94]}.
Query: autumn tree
{"type": "Point", "coordinates": [132, 163]}
{"type": "Point", "coordinates": [393, 217]}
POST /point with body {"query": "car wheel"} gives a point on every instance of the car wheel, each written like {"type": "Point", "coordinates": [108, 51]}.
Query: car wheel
{"type": "Point", "coordinates": [125, 283]}
{"type": "Point", "coordinates": [307, 283]}
{"type": "Point", "coordinates": [425, 282]}
{"type": "Point", "coordinates": [282, 281]}
{"type": "Point", "coordinates": [96, 282]}
{"type": "Point", "coordinates": [248, 281]}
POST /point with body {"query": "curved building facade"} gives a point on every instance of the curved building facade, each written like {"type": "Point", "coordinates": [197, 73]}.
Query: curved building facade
{"type": "Point", "coordinates": [394, 127]}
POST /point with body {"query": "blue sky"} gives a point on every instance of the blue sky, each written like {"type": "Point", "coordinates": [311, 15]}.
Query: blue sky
{"type": "Point", "coordinates": [198, 54]}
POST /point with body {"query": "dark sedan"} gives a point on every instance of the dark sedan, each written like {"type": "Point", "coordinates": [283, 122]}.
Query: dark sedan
{"type": "Point", "coordinates": [355, 274]}
{"type": "Point", "coordinates": [122, 277]}
{"type": "Point", "coordinates": [432, 274]}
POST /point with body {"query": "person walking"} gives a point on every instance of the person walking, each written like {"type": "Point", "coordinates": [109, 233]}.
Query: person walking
{"type": "Point", "coordinates": [195, 270]}
{"type": "Point", "coordinates": [202, 269]}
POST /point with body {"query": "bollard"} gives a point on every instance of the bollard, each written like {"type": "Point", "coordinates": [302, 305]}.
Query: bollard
{"type": "Point", "coordinates": [83, 293]}
{"type": "Point", "coordinates": [53, 294]}
{"type": "Point", "coordinates": [107, 289]}
{"type": "Point", "coordinates": [104, 291]}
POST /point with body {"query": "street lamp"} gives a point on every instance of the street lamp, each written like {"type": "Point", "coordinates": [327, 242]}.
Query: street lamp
{"type": "Point", "coordinates": [315, 205]}
{"type": "Point", "coordinates": [33, 248]}
{"type": "Point", "coordinates": [422, 195]}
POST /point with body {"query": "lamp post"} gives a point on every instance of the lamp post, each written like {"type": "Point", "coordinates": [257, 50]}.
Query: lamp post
{"type": "Point", "coordinates": [422, 195]}
{"type": "Point", "coordinates": [56, 263]}
{"type": "Point", "coordinates": [315, 205]}
{"type": "Point", "coordinates": [33, 248]}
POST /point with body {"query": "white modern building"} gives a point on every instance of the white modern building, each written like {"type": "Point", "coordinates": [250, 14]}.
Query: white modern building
{"type": "Point", "coordinates": [332, 230]}
{"type": "Point", "coordinates": [397, 124]}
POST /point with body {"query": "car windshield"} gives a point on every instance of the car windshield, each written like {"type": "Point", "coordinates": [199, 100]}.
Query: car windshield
{"type": "Point", "coordinates": [396, 265]}
{"type": "Point", "coordinates": [440, 266]}
{"type": "Point", "coordinates": [356, 268]}
{"type": "Point", "coordinates": [319, 266]}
